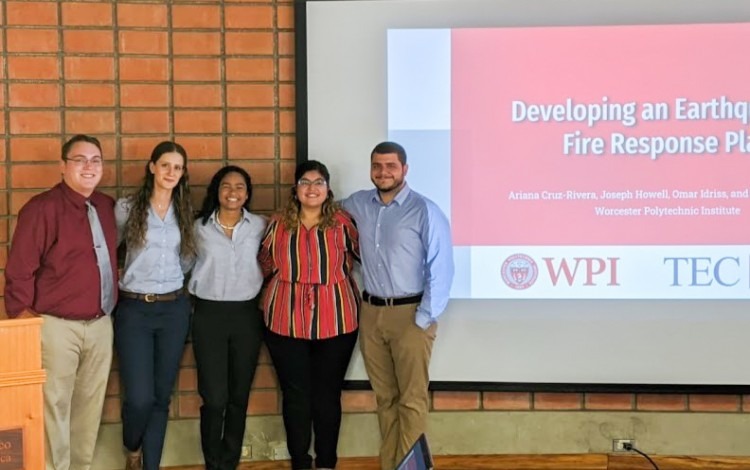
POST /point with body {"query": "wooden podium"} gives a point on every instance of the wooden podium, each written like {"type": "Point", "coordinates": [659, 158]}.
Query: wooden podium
{"type": "Point", "coordinates": [21, 403]}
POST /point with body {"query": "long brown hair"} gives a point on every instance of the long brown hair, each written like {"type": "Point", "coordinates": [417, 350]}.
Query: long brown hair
{"type": "Point", "coordinates": [290, 212]}
{"type": "Point", "coordinates": [135, 228]}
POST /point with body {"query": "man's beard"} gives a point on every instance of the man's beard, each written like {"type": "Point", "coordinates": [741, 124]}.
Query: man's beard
{"type": "Point", "coordinates": [388, 187]}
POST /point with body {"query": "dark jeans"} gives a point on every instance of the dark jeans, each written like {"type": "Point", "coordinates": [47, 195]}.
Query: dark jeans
{"type": "Point", "coordinates": [311, 374]}
{"type": "Point", "coordinates": [150, 340]}
{"type": "Point", "coordinates": [226, 341]}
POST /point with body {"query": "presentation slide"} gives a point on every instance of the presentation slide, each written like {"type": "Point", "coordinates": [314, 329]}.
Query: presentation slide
{"type": "Point", "coordinates": [592, 157]}
{"type": "Point", "coordinates": [610, 163]}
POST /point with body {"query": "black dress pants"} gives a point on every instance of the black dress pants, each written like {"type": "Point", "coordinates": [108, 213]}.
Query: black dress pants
{"type": "Point", "coordinates": [311, 374]}
{"type": "Point", "coordinates": [226, 341]}
{"type": "Point", "coordinates": [150, 339]}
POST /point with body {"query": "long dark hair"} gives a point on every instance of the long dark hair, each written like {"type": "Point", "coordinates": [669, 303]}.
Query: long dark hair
{"type": "Point", "coordinates": [290, 212]}
{"type": "Point", "coordinates": [135, 228]}
{"type": "Point", "coordinates": [211, 201]}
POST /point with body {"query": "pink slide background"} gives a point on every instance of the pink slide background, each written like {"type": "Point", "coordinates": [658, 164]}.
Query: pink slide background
{"type": "Point", "coordinates": [491, 155]}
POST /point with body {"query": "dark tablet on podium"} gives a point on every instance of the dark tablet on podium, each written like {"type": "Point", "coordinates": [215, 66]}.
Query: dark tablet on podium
{"type": "Point", "coordinates": [418, 457]}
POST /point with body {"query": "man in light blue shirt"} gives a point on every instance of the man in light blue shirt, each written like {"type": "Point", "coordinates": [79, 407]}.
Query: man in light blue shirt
{"type": "Point", "coordinates": [407, 263]}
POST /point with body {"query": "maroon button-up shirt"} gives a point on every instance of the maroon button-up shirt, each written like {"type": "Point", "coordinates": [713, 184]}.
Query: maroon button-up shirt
{"type": "Point", "coordinates": [52, 266]}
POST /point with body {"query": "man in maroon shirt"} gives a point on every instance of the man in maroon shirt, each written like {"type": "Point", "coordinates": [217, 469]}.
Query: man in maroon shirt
{"type": "Point", "coordinates": [53, 272]}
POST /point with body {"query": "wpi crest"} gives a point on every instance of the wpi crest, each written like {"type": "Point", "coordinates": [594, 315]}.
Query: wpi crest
{"type": "Point", "coordinates": [519, 271]}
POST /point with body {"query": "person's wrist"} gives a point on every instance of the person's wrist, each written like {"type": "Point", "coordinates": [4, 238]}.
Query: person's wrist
{"type": "Point", "coordinates": [423, 320]}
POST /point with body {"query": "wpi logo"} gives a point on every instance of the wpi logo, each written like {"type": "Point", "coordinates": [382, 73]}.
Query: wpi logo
{"type": "Point", "coordinates": [519, 271]}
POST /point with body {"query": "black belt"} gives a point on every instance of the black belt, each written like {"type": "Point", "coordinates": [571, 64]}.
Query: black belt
{"type": "Point", "coordinates": [391, 302]}
{"type": "Point", "coordinates": [151, 298]}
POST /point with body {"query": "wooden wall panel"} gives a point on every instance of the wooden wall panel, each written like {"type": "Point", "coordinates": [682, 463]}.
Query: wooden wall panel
{"type": "Point", "coordinates": [21, 380]}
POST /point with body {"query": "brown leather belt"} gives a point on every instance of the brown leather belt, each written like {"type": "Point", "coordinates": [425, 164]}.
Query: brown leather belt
{"type": "Point", "coordinates": [391, 302]}
{"type": "Point", "coordinates": [151, 298]}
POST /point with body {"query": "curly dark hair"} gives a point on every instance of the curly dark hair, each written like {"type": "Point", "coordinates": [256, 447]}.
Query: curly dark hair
{"type": "Point", "coordinates": [135, 228]}
{"type": "Point", "coordinates": [290, 212]}
{"type": "Point", "coordinates": [211, 201]}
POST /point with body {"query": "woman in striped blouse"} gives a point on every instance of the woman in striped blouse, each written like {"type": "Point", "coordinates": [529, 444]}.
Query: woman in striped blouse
{"type": "Point", "coordinates": [310, 307]}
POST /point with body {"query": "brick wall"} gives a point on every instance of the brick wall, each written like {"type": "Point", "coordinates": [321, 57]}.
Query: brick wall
{"type": "Point", "coordinates": [217, 76]}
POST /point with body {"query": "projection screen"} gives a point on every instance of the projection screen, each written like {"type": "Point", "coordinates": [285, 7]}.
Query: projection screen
{"type": "Point", "coordinates": [592, 157]}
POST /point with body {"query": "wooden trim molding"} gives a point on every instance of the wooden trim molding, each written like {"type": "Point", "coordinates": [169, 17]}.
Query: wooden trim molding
{"type": "Point", "coordinates": [536, 462]}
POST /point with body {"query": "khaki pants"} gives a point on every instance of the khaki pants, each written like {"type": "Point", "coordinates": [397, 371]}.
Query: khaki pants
{"type": "Point", "coordinates": [77, 356]}
{"type": "Point", "coordinates": [397, 355]}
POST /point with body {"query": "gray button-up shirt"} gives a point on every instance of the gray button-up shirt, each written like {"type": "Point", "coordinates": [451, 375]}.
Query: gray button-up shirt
{"type": "Point", "coordinates": [156, 267]}
{"type": "Point", "coordinates": [227, 268]}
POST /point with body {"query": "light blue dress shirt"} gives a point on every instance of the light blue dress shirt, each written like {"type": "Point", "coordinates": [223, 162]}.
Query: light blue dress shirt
{"type": "Point", "coordinates": [156, 267]}
{"type": "Point", "coordinates": [406, 249]}
{"type": "Point", "coordinates": [227, 269]}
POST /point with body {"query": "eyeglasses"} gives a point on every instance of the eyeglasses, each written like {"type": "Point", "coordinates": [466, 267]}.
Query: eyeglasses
{"type": "Point", "coordinates": [82, 161]}
{"type": "Point", "coordinates": [318, 183]}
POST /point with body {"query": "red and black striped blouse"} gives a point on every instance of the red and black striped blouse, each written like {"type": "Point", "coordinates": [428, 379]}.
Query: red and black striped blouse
{"type": "Point", "coordinates": [311, 293]}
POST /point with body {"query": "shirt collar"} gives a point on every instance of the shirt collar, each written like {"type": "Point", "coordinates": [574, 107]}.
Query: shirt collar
{"type": "Point", "coordinates": [245, 216]}
{"type": "Point", "coordinates": [77, 199]}
{"type": "Point", "coordinates": [400, 196]}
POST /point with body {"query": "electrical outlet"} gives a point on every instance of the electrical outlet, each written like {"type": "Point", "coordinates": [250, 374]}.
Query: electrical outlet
{"type": "Point", "coordinates": [618, 445]}
{"type": "Point", "coordinates": [247, 452]}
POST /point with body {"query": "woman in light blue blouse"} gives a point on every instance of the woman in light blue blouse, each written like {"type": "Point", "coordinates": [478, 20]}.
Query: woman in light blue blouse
{"type": "Point", "coordinates": [227, 325]}
{"type": "Point", "coordinates": [153, 316]}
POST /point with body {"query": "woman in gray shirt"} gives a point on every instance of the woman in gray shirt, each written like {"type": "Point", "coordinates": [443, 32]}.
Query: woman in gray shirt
{"type": "Point", "coordinates": [227, 325]}
{"type": "Point", "coordinates": [153, 315]}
